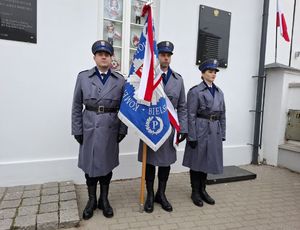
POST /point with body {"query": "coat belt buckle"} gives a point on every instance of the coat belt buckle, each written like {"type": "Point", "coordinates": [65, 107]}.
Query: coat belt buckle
{"type": "Point", "coordinates": [212, 117]}
{"type": "Point", "coordinates": [100, 109]}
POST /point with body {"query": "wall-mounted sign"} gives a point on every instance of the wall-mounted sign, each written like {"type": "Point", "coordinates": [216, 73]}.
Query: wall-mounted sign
{"type": "Point", "coordinates": [18, 20]}
{"type": "Point", "coordinates": [213, 35]}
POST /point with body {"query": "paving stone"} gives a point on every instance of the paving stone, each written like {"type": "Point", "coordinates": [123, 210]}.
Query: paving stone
{"type": "Point", "coordinates": [69, 188]}
{"type": "Point", "coordinates": [49, 199]}
{"type": "Point", "coordinates": [67, 196]}
{"type": "Point", "coordinates": [8, 213]}
{"type": "Point", "coordinates": [1, 195]}
{"type": "Point", "coordinates": [69, 218]}
{"type": "Point", "coordinates": [119, 226]}
{"type": "Point", "coordinates": [31, 201]}
{"type": "Point", "coordinates": [66, 183]}
{"type": "Point", "coordinates": [10, 204]}
{"type": "Point", "coordinates": [31, 193]}
{"type": "Point", "coordinates": [50, 185]}
{"type": "Point", "coordinates": [68, 204]}
{"type": "Point", "coordinates": [13, 196]}
{"type": "Point", "coordinates": [47, 221]}
{"type": "Point", "coordinates": [15, 189]}
{"type": "Point", "coordinates": [28, 210]}
{"type": "Point", "coordinates": [49, 207]}
{"type": "Point", "coordinates": [2, 190]}
{"type": "Point", "coordinates": [33, 187]}
{"type": "Point", "coordinates": [50, 191]}
{"type": "Point", "coordinates": [25, 222]}
{"type": "Point", "coordinates": [6, 224]}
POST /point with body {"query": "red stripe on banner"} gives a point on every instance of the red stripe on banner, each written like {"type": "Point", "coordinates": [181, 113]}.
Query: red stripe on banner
{"type": "Point", "coordinates": [285, 34]}
{"type": "Point", "coordinates": [139, 74]}
{"type": "Point", "coordinates": [139, 71]}
{"type": "Point", "coordinates": [157, 83]}
{"type": "Point", "coordinates": [150, 88]}
{"type": "Point", "coordinates": [173, 122]}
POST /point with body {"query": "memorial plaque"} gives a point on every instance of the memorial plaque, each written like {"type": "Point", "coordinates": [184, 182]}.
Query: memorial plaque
{"type": "Point", "coordinates": [18, 20]}
{"type": "Point", "coordinates": [213, 35]}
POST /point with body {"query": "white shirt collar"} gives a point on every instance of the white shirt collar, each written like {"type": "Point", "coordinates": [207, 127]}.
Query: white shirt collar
{"type": "Point", "coordinates": [102, 72]}
{"type": "Point", "coordinates": [209, 85]}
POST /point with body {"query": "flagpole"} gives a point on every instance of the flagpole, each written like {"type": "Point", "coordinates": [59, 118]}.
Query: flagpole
{"type": "Point", "coordinates": [276, 45]}
{"type": "Point", "coordinates": [276, 32]}
{"type": "Point", "coordinates": [142, 191]}
{"type": "Point", "coordinates": [292, 35]}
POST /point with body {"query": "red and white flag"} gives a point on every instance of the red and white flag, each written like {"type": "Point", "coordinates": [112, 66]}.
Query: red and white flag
{"type": "Point", "coordinates": [281, 23]}
{"type": "Point", "coordinates": [146, 89]}
{"type": "Point", "coordinates": [145, 107]}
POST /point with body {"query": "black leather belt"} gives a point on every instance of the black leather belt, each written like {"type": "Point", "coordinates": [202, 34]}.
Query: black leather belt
{"type": "Point", "coordinates": [102, 109]}
{"type": "Point", "coordinates": [211, 117]}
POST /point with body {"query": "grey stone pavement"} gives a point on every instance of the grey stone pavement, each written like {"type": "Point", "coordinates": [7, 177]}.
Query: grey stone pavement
{"type": "Point", "coordinates": [271, 201]}
{"type": "Point", "coordinates": [42, 206]}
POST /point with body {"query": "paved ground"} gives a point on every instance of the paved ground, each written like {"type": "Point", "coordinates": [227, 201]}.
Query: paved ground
{"type": "Point", "coordinates": [42, 206]}
{"type": "Point", "coordinates": [272, 201]}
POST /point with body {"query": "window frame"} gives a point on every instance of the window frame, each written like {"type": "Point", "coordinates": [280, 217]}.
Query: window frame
{"type": "Point", "coordinates": [126, 29]}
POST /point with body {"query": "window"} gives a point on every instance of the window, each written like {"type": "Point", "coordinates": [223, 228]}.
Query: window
{"type": "Point", "coordinates": [121, 24]}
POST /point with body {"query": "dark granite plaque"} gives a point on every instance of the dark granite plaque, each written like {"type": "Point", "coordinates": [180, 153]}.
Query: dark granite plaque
{"type": "Point", "coordinates": [18, 20]}
{"type": "Point", "coordinates": [213, 35]}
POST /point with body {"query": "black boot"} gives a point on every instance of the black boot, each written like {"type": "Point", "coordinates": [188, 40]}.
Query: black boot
{"type": "Point", "coordinates": [150, 197]}
{"type": "Point", "coordinates": [161, 198]}
{"type": "Point", "coordinates": [103, 202]}
{"type": "Point", "coordinates": [195, 183]}
{"type": "Point", "coordinates": [91, 204]}
{"type": "Point", "coordinates": [204, 195]}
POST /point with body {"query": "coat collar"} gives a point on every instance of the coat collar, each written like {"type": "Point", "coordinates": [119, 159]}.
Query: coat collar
{"type": "Point", "coordinates": [203, 86]}
{"type": "Point", "coordinates": [91, 72]}
{"type": "Point", "coordinates": [173, 74]}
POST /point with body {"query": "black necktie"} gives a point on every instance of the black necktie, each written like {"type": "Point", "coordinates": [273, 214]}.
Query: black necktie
{"type": "Point", "coordinates": [164, 78]}
{"type": "Point", "coordinates": [103, 75]}
{"type": "Point", "coordinates": [211, 90]}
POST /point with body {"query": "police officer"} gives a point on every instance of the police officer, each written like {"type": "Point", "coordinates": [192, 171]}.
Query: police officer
{"type": "Point", "coordinates": [96, 127]}
{"type": "Point", "coordinates": [206, 131]}
{"type": "Point", "coordinates": [166, 154]}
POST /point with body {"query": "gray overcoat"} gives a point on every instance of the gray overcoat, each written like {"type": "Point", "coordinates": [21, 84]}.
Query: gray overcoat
{"type": "Point", "coordinates": [99, 153]}
{"type": "Point", "coordinates": [208, 155]}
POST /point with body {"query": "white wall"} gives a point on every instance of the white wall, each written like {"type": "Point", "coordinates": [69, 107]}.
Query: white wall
{"type": "Point", "coordinates": [37, 81]}
{"type": "Point", "coordinates": [36, 87]}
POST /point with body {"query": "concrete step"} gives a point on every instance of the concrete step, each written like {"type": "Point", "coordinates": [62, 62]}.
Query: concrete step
{"type": "Point", "coordinates": [230, 174]}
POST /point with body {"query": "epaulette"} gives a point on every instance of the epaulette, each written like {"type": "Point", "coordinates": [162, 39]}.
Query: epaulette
{"type": "Point", "coordinates": [117, 74]}
{"type": "Point", "coordinates": [83, 71]}
{"type": "Point", "coordinates": [177, 74]}
{"type": "Point", "coordinates": [193, 87]}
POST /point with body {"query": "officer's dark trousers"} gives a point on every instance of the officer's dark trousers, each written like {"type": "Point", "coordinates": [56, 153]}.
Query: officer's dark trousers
{"type": "Point", "coordinates": [163, 173]}
{"type": "Point", "coordinates": [90, 181]}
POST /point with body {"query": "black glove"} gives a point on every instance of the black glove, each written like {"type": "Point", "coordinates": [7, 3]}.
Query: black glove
{"type": "Point", "coordinates": [79, 139]}
{"type": "Point", "coordinates": [193, 144]}
{"type": "Point", "coordinates": [181, 137]}
{"type": "Point", "coordinates": [121, 137]}
{"type": "Point", "coordinates": [223, 139]}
